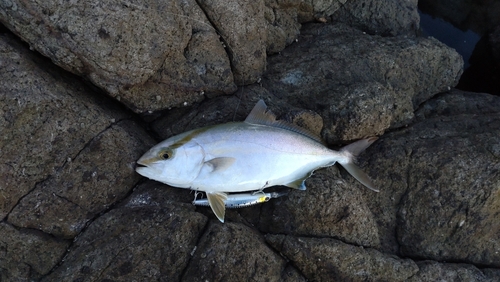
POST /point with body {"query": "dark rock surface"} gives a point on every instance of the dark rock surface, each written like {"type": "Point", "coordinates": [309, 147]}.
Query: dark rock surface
{"type": "Point", "coordinates": [27, 254]}
{"type": "Point", "coordinates": [73, 209]}
{"type": "Point", "coordinates": [146, 238]}
{"type": "Point", "coordinates": [327, 259]}
{"type": "Point", "coordinates": [433, 271]}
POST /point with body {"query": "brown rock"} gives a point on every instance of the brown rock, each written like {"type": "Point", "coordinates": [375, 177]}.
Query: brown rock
{"type": "Point", "coordinates": [27, 254]}
{"type": "Point", "coordinates": [324, 259]}
{"type": "Point", "coordinates": [233, 252]}
{"type": "Point", "coordinates": [434, 271]}
{"type": "Point", "coordinates": [389, 18]}
{"type": "Point", "coordinates": [360, 84]}
{"type": "Point", "coordinates": [282, 24]}
{"type": "Point", "coordinates": [146, 238]}
{"type": "Point", "coordinates": [150, 55]}
{"type": "Point", "coordinates": [330, 207]}
{"type": "Point", "coordinates": [243, 28]}
{"type": "Point", "coordinates": [98, 176]}
{"type": "Point", "coordinates": [439, 181]}
{"type": "Point", "coordinates": [46, 118]}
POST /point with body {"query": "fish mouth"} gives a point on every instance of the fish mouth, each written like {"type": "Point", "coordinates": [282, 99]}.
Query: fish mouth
{"type": "Point", "coordinates": [141, 164]}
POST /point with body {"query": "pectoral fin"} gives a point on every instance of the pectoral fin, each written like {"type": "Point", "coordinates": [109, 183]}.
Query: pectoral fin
{"type": "Point", "coordinates": [219, 164]}
{"type": "Point", "coordinates": [216, 200]}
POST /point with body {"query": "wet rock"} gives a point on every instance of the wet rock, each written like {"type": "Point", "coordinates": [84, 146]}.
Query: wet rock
{"type": "Point", "coordinates": [98, 176]}
{"type": "Point", "coordinates": [235, 252]}
{"type": "Point", "coordinates": [150, 55]}
{"type": "Point", "coordinates": [439, 181]}
{"type": "Point", "coordinates": [361, 85]}
{"type": "Point", "coordinates": [27, 254]}
{"type": "Point", "coordinates": [387, 18]}
{"type": "Point", "coordinates": [146, 237]}
{"type": "Point", "coordinates": [323, 259]}
{"type": "Point", "coordinates": [434, 271]}
{"type": "Point", "coordinates": [46, 119]}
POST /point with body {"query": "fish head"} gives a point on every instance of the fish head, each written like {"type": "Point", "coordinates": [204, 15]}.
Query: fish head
{"type": "Point", "coordinates": [172, 162]}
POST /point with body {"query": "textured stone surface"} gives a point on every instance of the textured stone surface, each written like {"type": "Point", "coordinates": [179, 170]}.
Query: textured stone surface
{"type": "Point", "coordinates": [27, 254]}
{"type": "Point", "coordinates": [243, 28]}
{"type": "Point", "coordinates": [97, 177]}
{"type": "Point", "coordinates": [433, 271]}
{"type": "Point", "coordinates": [390, 17]}
{"type": "Point", "coordinates": [328, 259]}
{"type": "Point", "coordinates": [330, 207]}
{"type": "Point", "coordinates": [145, 238]}
{"type": "Point", "coordinates": [233, 252]}
{"type": "Point", "coordinates": [46, 117]}
{"type": "Point", "coordinates": [150, 55]}
{"type": "Point", "coordinates": [360, 84]}
{"type": "Point", "coordinates": [439, 181]}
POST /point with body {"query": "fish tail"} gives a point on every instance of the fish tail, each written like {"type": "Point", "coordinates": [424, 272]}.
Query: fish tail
{"type": "Point", "coordinates": [351, 151]}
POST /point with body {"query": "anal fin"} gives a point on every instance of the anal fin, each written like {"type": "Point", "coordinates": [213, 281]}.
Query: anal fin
{"type": "Point", "coordinates": [298, 184]}
{"type": "Point", "coordinates": [216, 200]}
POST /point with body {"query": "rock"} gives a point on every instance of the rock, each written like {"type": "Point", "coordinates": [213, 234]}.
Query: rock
{"type": "Point", "coordinates": [360, 85]}
{"type": "Point", "coordinates": [233, 252]}
{"type": "Point", "coordinates": [439, 181]}
{"type": "Point", "coordinates": [27, 254]}
{"type": "Point", "coordinates": [150, 55]}
{"type": "Point", "coordinates": [46, 119]}
{"type": "Point", "coordinates": [146, 237]}
{"type": "Point", "coordinates": [388, 18]}
{"type": "Point", "coordinates": [324, 259]}
{"type": "Point", "coordinates": [330, 207]}
{"type": "Point", "coordinates": [434, 271]}
{"type": "Point", "coordinates": [97, 177]}
{"type": "Point", "coordinates": [282, 24]}
{"type": "Point", "coordinates": [243, 28]}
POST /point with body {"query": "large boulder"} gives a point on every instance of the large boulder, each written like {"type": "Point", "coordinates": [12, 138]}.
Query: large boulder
{"type": "Point", "coordinates": [68, 154]}
{"type": "Point", "coordinates": [439, 181]}
{"type": "Point", "coordinates": [325, 259]}
{"type": "Point", "coordinates": [28, 254]}
{"type": "Point", "coordinates": [147, 237]}
{"type": "Point", "coordinates": [148, 54]}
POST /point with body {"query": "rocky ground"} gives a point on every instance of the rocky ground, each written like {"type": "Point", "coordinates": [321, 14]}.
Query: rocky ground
{"type": "Point", "coordinates": [86, 88]}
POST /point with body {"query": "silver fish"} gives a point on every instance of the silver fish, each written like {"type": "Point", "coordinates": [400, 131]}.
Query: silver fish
{"type": "Point", "coordinates": [245, 156]}
{"type": "Point", "coordinates": [241, 200]}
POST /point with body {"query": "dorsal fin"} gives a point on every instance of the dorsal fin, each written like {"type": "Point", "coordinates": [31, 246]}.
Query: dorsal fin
{"type": "Point", "coordinates": [260, 115]}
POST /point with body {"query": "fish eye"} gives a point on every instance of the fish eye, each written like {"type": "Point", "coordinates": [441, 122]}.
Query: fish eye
{"type": "Point", "coordinates": [164, 155]}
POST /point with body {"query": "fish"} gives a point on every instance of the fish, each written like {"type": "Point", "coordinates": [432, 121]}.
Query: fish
{"type": "Point", "coordinates": [241, 200]}
{"type": "Point", "coordinates": [251, 155]}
